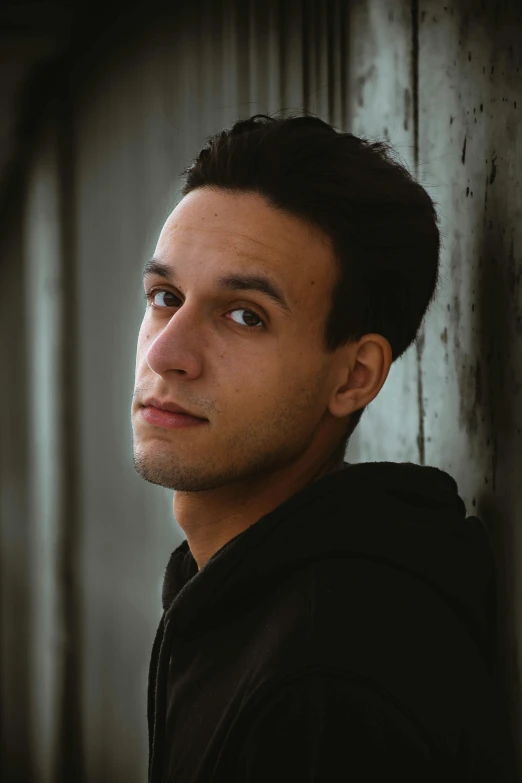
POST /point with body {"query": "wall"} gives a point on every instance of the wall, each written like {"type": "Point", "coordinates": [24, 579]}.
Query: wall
{"type": "Point", "coordinates": [443, 84]}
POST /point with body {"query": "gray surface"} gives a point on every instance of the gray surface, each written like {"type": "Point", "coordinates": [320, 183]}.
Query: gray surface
{"type": "Point", "coordinates": [143, 110]}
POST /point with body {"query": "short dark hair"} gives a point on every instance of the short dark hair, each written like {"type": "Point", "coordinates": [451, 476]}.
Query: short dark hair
{"type": "Point", "coordinates": [381, 222]}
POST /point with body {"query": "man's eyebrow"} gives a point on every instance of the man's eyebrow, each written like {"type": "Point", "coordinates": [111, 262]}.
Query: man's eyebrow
{"type": "Point", "coordinates": [231, 282]}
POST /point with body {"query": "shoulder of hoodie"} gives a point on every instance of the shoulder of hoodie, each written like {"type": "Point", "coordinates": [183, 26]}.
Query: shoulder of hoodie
{"type": "Point", "coordinates": [362, 602]}
{"type": "Point", "coordinates": [317, 719]}
{"type": "Point", "coordinates": [363, 618]}
{"type": "Point", "coordinates": [321, 717]}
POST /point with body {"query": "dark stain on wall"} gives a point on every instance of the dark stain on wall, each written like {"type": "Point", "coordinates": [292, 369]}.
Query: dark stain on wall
{"type": "Point", "coordinates": [444, 341]}
{"type": "Point", "coordinates": [493, 172]}
{"type": "Point", "coordinates": [360, 83]}
{"type": "Point", "coordinates": [482, 332]}
{"type": "Point", "coordinates": [407, 108]}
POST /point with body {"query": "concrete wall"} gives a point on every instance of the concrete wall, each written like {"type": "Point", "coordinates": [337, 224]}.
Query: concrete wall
{"type": "Point", "coordinates": [470, 136]}
{"type": "Point", "coordinates": [444, 85]}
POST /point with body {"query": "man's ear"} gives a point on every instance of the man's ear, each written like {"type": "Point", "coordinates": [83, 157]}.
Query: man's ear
{"type": "Point", "coordinates": [364, 367]}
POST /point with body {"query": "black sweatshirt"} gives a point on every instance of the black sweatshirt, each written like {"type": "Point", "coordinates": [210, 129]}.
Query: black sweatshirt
{"type": "Point", "coordinates": [347, 635]}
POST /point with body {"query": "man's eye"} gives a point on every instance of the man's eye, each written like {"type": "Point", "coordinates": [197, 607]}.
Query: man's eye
{"type": "Point", "coordinates": [249, 314]}
{"type": "Point", "coordinates": [150, 295]}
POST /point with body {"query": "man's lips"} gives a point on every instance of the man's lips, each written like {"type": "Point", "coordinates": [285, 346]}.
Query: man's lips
{"type": "Point", "coordinates": [168, 419]}
{"type": "Point", "coordinates": [172, 407]}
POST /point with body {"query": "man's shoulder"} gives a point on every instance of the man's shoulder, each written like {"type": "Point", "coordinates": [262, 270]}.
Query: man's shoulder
{"type": "Point", "coordinates": [365, 618]}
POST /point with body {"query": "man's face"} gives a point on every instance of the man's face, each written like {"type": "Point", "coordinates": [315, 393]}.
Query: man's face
{"type": "Point", "coordinates": [263, 389]}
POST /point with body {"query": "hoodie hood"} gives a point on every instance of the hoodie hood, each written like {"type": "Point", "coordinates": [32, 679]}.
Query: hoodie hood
{"type": "Point", "coordinates": [400, 514]}
{"type": "Point", "coordinates": [407, 515]}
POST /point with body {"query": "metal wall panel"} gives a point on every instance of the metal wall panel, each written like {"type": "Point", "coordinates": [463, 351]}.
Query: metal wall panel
{"type": "Point", "coordinates": [42, 297]}
{"type": "Point", "coordinates": [138, 125]}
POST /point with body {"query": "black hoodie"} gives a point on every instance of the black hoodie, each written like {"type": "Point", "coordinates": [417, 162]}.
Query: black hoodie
{"type": "Point", "coordinates": [347, 635]}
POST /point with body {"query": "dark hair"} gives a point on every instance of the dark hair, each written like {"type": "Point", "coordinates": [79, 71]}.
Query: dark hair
{"type": "Point", "coordinates": [382, 224]}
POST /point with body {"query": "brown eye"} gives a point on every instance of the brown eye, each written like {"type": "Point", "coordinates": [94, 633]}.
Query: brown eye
{"type": "Point", "coordinates": [250, 314]}
{"type": "Point", "coordinates": [152, 294]}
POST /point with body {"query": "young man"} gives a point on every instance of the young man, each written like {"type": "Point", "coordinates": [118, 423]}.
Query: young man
{"type": "Point", "coordinates": [322, 621]}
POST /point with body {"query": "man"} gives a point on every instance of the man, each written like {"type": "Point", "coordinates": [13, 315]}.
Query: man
{"type": "Point", "coordinates": [322, 621]}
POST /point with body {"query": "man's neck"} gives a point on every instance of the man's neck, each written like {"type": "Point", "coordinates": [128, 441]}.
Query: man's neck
{"type": "Point", "coordinates": [210, 520]}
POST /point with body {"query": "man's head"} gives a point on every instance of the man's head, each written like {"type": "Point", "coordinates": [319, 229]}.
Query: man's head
{"type": "Point", "coordinates": [347, 239]}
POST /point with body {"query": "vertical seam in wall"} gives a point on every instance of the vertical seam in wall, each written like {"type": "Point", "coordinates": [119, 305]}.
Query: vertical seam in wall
{"type": "Point", "coordinates": [331, 43]}
{"type": "Point", "coordinates": [242, 13]}
{"type": "Point", "coordinates": [305, 61]}
{"type": "Point", "coordinates": [282, 43]}
{"type": "Point", "coordinates": [419, 344]}
{"type": "Point", "coordinates": [69, 763]}
{"type": "Point", "coordinates": [343, 57]}
{"type": "Point", "coordinates": [415, 79]}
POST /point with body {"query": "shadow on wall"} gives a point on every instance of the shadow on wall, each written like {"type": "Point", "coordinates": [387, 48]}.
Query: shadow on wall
{"type": "Point", "coordinates": [497, 391]}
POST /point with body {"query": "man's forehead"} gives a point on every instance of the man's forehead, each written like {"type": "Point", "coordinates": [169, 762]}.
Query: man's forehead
{"type": "Point", "coordinates": [231, 238]}
{"type": "Point", "coordinates": [246, 228]}
{"type": "Point", "coordinates": [245, 217]}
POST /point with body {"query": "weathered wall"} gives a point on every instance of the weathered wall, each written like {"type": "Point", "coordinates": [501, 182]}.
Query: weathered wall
{"type": "Point", "coordinates": [444, 84]}
{"type": "Point", "coordinates": [470, 134]}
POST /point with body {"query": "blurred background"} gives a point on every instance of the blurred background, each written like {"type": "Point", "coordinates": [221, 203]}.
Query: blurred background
{"type": "Point", "coordinates": [102, 105]}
